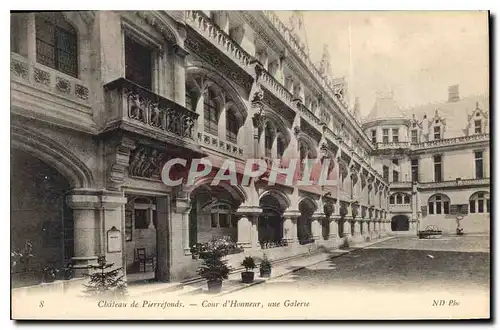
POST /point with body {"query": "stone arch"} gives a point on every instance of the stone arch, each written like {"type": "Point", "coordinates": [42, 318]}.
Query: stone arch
{"type": "Point", "coordinates": [400, 223]}
{"type": "Point", "coordinates": [236, 191]}
{"type": "Point", "coordinates": [218, 83]}
{"type": "Point", "coordinates": [280, 196]}
{"type": "Point", "coordinates": [280, 124]}
{"type": "Point", "coordinates": [308, 202]}
{"type": "Point", "coordinates": [307, 140]}
{"type": "Point", "coordinates": [54, 154]}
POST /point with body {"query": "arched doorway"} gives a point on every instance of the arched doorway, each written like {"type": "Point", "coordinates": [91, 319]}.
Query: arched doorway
{"type": "Point", "coordinates": [304, 221]}
{"type": "Point", "coordinates": [400, 223]}
{"type": "Point", "coordinates": [213, 214]}
{"type": "Point", "coordinates": [41, 220]}
{"type": "Point", "coordinates": [270, 222]}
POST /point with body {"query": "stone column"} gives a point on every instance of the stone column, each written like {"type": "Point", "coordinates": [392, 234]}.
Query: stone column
{"type": "Point", "coordinates": [333, 229]}
{"type": "Point", "coordinates": [182, 208]}
{"type": "Point", "coordinates": [363, 226]}
{"type": "Point", "coordinates": [347, 229]}
{"type": "Point", "coordinates": [290, 227]}
{"type": "Point", "coordinates": [316, 226]}
{"type": "Point", "coordinates": [248, 234]}
{"type": "Point", "coordinates": [179, 75]}
{"type": "Point", "coordinates": [357, 231]}
{"type": "Point", "coordinates": [95, 213]}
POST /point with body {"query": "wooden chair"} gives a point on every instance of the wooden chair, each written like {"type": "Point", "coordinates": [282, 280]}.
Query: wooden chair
{"type": "Point", "coordinates": [144, 259]}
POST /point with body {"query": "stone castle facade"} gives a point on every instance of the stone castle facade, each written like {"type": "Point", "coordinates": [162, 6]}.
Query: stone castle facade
{"type": "Point", "coordinates": [101, 100]}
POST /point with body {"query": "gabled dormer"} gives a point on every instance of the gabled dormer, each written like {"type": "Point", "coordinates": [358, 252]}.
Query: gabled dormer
{"type": "Point", "coordinates": [477, 121]}
{"type": "Point", "coordinates": [415, 130]}
{"type": "Point", "coordinates": [437, 127]}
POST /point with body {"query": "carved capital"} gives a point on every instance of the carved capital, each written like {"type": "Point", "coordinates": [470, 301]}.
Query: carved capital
{"type": "Point", "coordinates": [117, 156]}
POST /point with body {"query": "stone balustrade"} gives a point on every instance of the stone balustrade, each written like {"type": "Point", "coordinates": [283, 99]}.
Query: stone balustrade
{"type": "Point", "coordinates": [131, 103]}
{"type": "Point", "coordinates": [204, 25]}
{"type": "Point", "coordinates": [400, 207]}
{"type": "Point", "coordinates": [401, 184]}
{"type": "Point", "coordinates": [273, 85]}
{"type": "Point", "coordinates": [454, 183]}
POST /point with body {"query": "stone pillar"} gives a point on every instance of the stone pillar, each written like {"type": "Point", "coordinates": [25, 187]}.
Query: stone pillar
{"type": "Point", "coordinates": [290, 227]}
{"type": "Point", "coordinates": [179, 75]}
{"type": "Point", "coordinates": [182, 208]}
{"type": "Point", "coordinates": [31, 38]}
{"type": "Point", "coordinates": [316, 226]}
{"type": "Point", "coordinates": [248, 235]}
{"type": "Point", "coordinates": [357, 231]}
{"type": "Point", "coordinates": [363, 226]}
{"type": "Point", "coordinates": [163, 241]}
{"type": "Point", "coordinates": [334, 229]}
{"type": "Point", "coordinates": [347, 229]}
{"type": "Point", "coordinates": [255, 232]}
{"type": "Point", "coordinates": [95, 213]}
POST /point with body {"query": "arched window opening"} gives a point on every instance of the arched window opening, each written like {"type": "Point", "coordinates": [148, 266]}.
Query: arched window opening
{"type": "Point", "coordinates": [407, 199]}
{"type": "Point", "coordinates": [391, 199]}
{"type": "Point", "coordinates": [269, 137]}
{"type": "Point", "coordinates": [439, 204]}
{"type": "Point", "coordinates": [231, 127]}
{"type": "Point", "coordinates": [479, 203]}
{"type": "Point", "coordinates": [56, 43]}
{"type": "Point", "coordinates": [280, 145]}
{"type": "Point", "coordinates": [211, 114]}
{"type": "Point", "coordinates": [220, 215]}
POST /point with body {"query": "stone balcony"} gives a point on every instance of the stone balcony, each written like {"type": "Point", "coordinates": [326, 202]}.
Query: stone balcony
{"type": "Point", "coordinates": [133, 108]}
{"type": "Point", "coordinates": [433, 144]}
{"type": "Point", "coordinates": [401, 185]}
{"type": "Point", "coordinates": [400, 208]}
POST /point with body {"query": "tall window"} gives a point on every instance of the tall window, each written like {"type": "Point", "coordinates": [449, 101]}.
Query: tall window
{"type": "Point", "coordinates": [391, 199]}
{"type": "Point", "coordinates": [438, 168]}
{"type": "Point", "coordinates": [437, 133]}
{"type": "Point", "coordinates": [269, 140]}
{"type": "Point", "coordinates": [477, 127]}
{"type": "Point", "coordinates": [399, 199]}
{"type": "Point", "coordinates": [395, 135]}
{"type": "Point", "coordinates": [479, 203]}
{"type": "Point", "coordinates": [385, 172]}
{"type": "Point", "coordinates": [385, 135]}
{"type": "Point", "coordinates": [407, 199]}
{"type": "Point", "coordinates": [210, 114]}
{"type": "Point", "coordinates": [395, 176]}
{"type": "Point", "coordinates": [414, 170]}
{"type": "Point", "coordinates": [138, 63]}
{"type": "Point", "coordinates": [478, 155]}
{"type": "Point", "coordinates": [56, 43]}
{"type": "Point", "coordinates": [231, 126]}
{"type": "Point", "coordinates": [439, 204]}
{"type": "Point", "coordinates": [374, 136]}
{"type": "Point", "coordinates": [414, 136]}
{"type": "Point", "coordinates": [220, 216]}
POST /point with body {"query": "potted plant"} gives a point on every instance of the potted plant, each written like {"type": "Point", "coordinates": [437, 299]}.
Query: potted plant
{"type": "Point", "coordinates": [49, 274]}
{"type": "Point", "coordinates": [213, 268]}
{"type": "Point", "coordinates": [265, 267]}
{"type": "Point", "coordinates": [248, 275]}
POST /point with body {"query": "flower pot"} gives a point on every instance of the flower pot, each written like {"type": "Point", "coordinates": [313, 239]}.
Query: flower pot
{"type": "Point", "coordinates": [265, 273]}
{"type": "Point", "coordinates": [49, 277]}
{"type": "Point", "coordinates": [247, 277]}
{"type": "Point", "coordinates": [214, 286]}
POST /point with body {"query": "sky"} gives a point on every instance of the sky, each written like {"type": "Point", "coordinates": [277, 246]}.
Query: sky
{"type": "Point", "coordinates": [416, 55]}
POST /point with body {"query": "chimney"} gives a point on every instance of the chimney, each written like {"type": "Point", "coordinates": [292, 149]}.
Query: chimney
{"type": "Point", "coordinates": [453, 94]}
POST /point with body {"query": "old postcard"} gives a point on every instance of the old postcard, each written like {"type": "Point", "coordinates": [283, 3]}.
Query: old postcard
{"type": "Point", "coordinates": [185, 165]}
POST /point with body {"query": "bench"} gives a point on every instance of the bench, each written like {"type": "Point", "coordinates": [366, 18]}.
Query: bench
{"type": "Point", "coordinates": [430, 232]}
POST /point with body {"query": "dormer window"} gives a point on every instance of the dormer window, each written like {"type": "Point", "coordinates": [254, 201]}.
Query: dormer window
{"type": "Point", "coordinates": [385, 135]}
{"type": "Point", "coordinates": [414, 136]}
{"type": "Point", "coordinates": [477, 126]}
{"type": "Point", "coordinates": [437, 132]}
